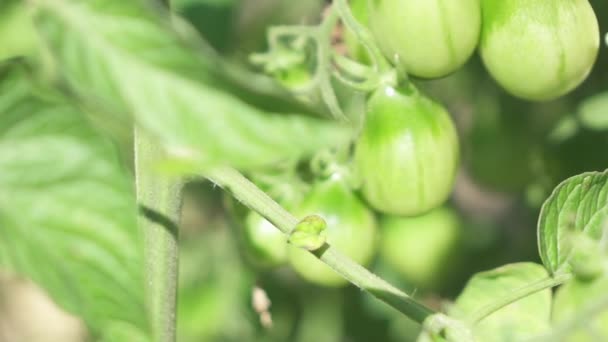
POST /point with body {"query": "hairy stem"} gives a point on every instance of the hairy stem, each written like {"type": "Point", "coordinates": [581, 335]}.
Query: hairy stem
{"type": "Point", "coordinates": [159, 198]}
{"type": "Point", "coordinates": [323, 72]}
{"type": "Point", "coordinates": [254, 198]}
{"type": "Point", "coordinates": [516, 295]}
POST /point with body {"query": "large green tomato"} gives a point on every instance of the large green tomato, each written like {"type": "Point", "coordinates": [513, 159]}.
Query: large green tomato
{"type": "Point", "coordinates": [407, 154]}
{"type": "Point", "coordinates": [429, 39]}
{"type": "Point", "coordinates": [265, 243]}
{"type": "Point", "coordinates": [541, 49]}
{"type": "Point", "coordinates": [351, 229]}
{"type": "Point", "coordinates": [421, 248]}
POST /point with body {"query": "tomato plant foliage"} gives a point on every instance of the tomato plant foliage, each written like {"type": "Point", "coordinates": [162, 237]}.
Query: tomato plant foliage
{"type": "Point", "coordinates": [362, 158]}
{"type": "Point", "coordinates": [66, 202]}
{"type": "Point", "coordinates": [138, 65]}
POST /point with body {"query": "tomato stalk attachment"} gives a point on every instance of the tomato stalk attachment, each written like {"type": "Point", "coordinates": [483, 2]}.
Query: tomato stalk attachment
{"type": "Point", "coordinates": [254, 198]}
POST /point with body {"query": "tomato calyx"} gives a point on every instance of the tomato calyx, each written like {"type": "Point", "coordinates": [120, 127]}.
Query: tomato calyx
{"type": "Point", "coordinates": [310, 233]}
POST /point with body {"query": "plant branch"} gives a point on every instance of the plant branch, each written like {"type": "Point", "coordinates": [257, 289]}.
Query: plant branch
{"type": "Point", "coordinates": [254, 198]}
{"type": "Point", "coordinates": [159, 199]}
{"type": "Point", "coordinates": [323, 70]}
{"type": "Point", "coordinates": [363, 35]}
{"type": "Point", "coordinates": [516, 295]}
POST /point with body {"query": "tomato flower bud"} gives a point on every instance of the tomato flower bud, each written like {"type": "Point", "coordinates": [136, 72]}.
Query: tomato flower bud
{"type": "Point", "coordinates": [428, 39]}
{"type": "Point", "coordinates": [539, 50]}
{"type": "Point", "coordinates": [407, 154]}
{"type": "Point", "coordinates": [351, 229]}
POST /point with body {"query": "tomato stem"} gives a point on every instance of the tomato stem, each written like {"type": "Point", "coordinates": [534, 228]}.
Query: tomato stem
{"type": "Point", "coordinates": [160, 197]}
{"type": "Point", "coordinates": [364, 36]}
{"type": "Point", "coordinates": [255, 199]}
{"type": "Point", "coordinates": [516, 295]}
{"type": "Point", "coordinates": [323, 70]}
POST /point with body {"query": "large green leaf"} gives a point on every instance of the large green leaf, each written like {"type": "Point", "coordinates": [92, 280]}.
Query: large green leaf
{"type": "Point", "coordinates": [580, 310]}
{"type": "Point", "coordinates": [124, 55]}
{"type": "Point", "coordinates": [517, 321]}
{"type": "Point", "coordinates": [577, 205]}
{"type": "Point", "coordinates": [68, 217]}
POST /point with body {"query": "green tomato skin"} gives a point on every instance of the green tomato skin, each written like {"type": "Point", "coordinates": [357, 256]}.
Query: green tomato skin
{"type": "Point", "coordinates": [266, 244]}
{"type": "Point", "coordinates": [351, 229]}
{"type": "Point", "coordinates": [539, 50]}
{"type": "Point", "coordinates": [420, 248]}
{"type": "Point", "coordinates": [408, 152]}
{"type": "Point", "coordinates": [429, 39]}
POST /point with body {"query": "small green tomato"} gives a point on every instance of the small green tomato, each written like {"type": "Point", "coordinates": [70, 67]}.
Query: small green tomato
{"type": "Point", "coordinates": [351, 229]}
{"type": "Point", "coordinates": [421, 248]}
{"type": "Point", "coordinates": [407, 154]}
{"type": "Point", "coordinates": [428, 39]}
{"type": "Point", "coordinates": [265, 243]}
{"type": "Point", "coordinates": [541, 49]}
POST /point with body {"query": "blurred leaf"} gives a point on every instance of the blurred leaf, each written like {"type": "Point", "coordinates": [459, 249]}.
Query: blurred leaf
{"type": "Point", "coordinates": [593, 112]}
{"type": "Point", "coordinates": [579, 204]}
{"type": "Point", "coordinates": [67, 210]}
{"type": "Point", "coordinates": [575, 298]}
{"type": "Point", "coordinates": [17, 34]}
{"type": "Point", "coordinates": [515, 322]}
{"type": "Point", "coordinates": [214, 19]}
{"type": "Point", "coordinates": [123, 55]}
{"type": "Point", "coordinates": [565, 129]}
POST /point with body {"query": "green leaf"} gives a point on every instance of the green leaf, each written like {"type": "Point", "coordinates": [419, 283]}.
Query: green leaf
{"type": "Point", "coordinates": [593, 112]}
{"type": "Point", "coordinates": [125, 55]}
{"type": "Point", "coordinates": [580, 310]}
{"type": "Point", "coordinates": [577, 205]}
{"type": "Point", "coordinates": [68, 217]}
{"type": "Point", "coordinates": [17, 34]}
{"type": "Point", "coordinates": [214, 19]}
{"type": "Point", "coordinates": [515, 322]}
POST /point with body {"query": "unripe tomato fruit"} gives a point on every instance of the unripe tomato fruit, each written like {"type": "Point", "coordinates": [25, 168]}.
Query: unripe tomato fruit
{"type": "Point", "coordinates": [351, 229]}
{"type": "Point", "coordinates": [266, 244]}
{"type": "Point", "coordinates": [421, 248]}
{"type": "Point", "coordinates": [407, 154]}
{"type": "Point", "coordinates": [539, 50]}
{"type": "Point", "coordinates": [429, 39]}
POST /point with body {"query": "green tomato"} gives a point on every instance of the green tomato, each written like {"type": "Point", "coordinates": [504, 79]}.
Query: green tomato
{"type": "Point", "coordinates": [351, 229]}
{"type": "Point", "coordinates": [539, 50]}
{"type": "Point", "coordinates": [421, 248]}
{"type": "Point", "coordinates": [428, 39]}
{"type": "Point", "coordinates": [266, 244]}
{"type": "Point", "coordinates": [407, 154]}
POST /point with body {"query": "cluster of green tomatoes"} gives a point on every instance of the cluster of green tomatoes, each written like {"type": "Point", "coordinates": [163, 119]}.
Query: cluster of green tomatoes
{"type": "Point", "coordinates": [407, 153]}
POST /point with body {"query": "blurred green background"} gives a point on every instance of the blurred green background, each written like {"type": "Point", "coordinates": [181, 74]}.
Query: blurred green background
{"type": "Point", "coordinates": [514, 153]}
